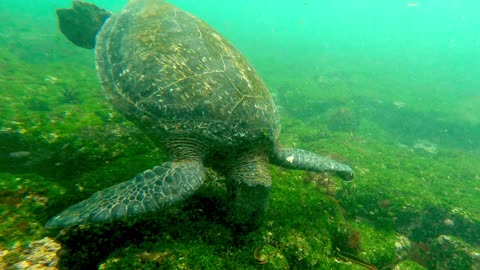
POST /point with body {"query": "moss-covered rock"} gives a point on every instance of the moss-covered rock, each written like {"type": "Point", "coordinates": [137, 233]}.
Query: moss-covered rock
{"type": "Point", "coordinates": [408, 265]}
{"type": "Point", "coordinates": [450, 252]}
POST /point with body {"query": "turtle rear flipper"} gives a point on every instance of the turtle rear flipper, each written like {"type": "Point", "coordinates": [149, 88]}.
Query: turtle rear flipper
{"type": "Point", "coordinates": [248, 184]}
{"type": "Point", "coordinates": [81, 23]}
{"type": "Point", "coordinates": [149, 191]}
{"type": "Point", "coordinates": [304, 160]}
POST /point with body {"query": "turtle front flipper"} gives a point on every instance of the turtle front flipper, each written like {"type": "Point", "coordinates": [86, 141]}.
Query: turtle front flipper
{"type": "Point", "coordinates": [304, 160]}
{"type": "Point", "coordinates": [149, 191]}
{"type": "Point", "coordinates": [81, 23]}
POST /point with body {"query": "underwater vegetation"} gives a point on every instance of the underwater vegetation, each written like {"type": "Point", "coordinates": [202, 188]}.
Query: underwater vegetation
{"type": "Point", "coordinates": [413, 204]}
{"type": "Point", "coordinates": [69, 94]}
{"type": "Point", "coordinates": [343, 119]}
{"type": "Point", "coordinates": [53, 158]}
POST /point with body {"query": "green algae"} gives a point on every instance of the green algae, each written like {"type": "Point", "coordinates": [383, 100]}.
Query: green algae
{"type": "Point", "coordinates": [20, 197]}
{"type": "Point", "coordinates": [409, 265]}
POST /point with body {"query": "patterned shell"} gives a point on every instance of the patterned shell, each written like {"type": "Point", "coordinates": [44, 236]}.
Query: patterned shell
{"type": "Point", "coordinates": [171, 73]}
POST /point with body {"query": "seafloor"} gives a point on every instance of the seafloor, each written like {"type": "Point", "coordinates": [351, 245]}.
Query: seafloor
{"type": "Point", "coordinates": [414, 203]}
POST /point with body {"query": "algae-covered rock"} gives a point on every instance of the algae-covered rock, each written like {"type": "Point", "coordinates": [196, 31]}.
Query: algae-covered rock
{"type": "Point", "coordinates": [378, 246]}
{"type": "Point", "coordinates": [402, 247]}
{"type": "Point", "coordinates": [453, 253]}
{"type": "Point", "coordinates": [271, 257]}
{"type": "Point", "coordinates": [343, 119]}
{"type": "Point", "coordinates": [408, 265]}
{"type": "Point", "coordinates": [41, 254]}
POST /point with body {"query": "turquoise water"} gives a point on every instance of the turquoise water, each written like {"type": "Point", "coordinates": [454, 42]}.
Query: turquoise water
{"type": "Point", "coordinates": [391, 88]}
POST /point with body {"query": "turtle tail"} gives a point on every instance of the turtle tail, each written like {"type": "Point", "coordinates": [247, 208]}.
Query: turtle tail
{"type": "Point", "coordinates": [81, 23]}
{"type": "Point", "coordinates": [304, 160]}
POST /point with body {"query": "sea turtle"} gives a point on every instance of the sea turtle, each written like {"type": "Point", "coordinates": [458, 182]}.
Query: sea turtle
{"type": "Point", "coordinates": [194, 95]}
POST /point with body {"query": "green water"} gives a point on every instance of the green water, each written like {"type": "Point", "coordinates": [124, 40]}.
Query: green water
{"type": "Point", "coordinates": [390, 88]}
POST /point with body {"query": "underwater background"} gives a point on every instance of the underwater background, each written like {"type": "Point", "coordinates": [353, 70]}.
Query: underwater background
{"type": "Point", "coordinates": [391, 88]}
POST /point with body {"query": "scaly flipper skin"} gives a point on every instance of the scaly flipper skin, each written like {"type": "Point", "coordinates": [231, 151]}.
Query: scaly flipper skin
{"type": "Point", "coordinates": [299, 159]}
{"type": "Point", "coordinates": [81, 23]}
{"type": "Point", "coordinates": [149, 191]}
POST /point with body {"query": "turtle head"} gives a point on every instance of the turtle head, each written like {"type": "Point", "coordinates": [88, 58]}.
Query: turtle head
{"type": "Point", "coordinates": [81, 23]}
